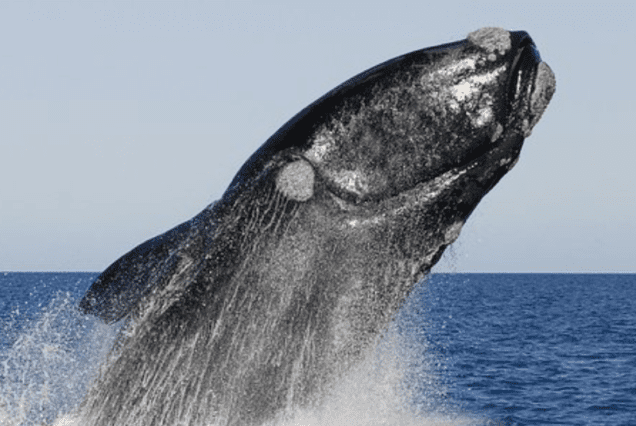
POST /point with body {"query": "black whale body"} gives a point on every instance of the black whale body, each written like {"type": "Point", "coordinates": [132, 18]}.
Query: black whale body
{"type": "Point", "coordinates": [255, 307]}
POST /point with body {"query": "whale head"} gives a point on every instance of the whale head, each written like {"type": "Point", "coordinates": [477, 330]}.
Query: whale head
{"type": "Point", "coordinates": [409, 147]}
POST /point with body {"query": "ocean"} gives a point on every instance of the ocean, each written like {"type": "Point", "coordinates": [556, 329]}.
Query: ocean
{"type": "Point", "coordinates": [501, 349]}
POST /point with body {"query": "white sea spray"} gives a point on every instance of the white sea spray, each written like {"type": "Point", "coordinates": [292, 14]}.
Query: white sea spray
{"type": "Point", "coordinates": [47, 368]}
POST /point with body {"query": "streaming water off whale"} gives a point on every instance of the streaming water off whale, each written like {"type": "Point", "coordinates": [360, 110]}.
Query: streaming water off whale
{"type": "Point", "coordinates": [522, 349]}
{"type": "Point", "coordinates": [50, 354]}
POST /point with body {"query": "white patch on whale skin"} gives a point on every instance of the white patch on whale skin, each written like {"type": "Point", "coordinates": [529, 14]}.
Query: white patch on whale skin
{"type": "Point", "coordinates": [323, 143]}
{"type": "Point", "coordinates": [473, 87]}
{"type": "Point", "coordinates": [473, 91]}
{"type": "Point", "coordinates": [296, 180]}
{"type": "Point", "coordinates": [354, 181]}
{"type": "Point", "coordinates": [498, 131]}
{"type": "Point", "coordinates": [452, 233]}
{"type": "Point", "coordinates": [544, 86]}
{"type": "Point", "coordinates": [365, 222]}
{"type": "Point", "coordinates": [491, 40]}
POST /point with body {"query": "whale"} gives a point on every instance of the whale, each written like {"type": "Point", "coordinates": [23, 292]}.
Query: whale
{"type": "Point", "coordinates": [255, 308]}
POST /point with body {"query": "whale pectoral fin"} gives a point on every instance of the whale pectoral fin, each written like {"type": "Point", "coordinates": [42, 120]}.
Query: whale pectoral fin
{"type": "Point", "coordinates": [120, 288]}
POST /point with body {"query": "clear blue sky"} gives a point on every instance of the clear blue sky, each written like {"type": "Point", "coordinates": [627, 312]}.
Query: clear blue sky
{"type": "Point", "coordinates": [120, 120]}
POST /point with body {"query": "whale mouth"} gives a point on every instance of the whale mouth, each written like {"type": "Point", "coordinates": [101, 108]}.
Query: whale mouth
{"type": "Point", "coordinates": [530, 87]}
{"type": "Point", "coordinates": [531, 83]}
{"type": "Point", "coordinates": [525, 62]}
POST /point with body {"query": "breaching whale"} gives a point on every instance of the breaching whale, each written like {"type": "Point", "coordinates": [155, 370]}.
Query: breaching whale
{"type": "Point", "coordinates": [255, 307]}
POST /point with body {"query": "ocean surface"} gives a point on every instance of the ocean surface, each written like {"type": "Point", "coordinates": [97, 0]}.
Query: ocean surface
{"type": "Point", "coordinates": [500, 349]}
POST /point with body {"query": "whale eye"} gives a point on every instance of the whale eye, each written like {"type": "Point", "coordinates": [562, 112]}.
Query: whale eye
{"type": "Point", "coordinates": [296, 180]}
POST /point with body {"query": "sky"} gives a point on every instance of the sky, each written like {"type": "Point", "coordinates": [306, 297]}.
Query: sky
{"type": "Point", "coordinates": [120, 120]}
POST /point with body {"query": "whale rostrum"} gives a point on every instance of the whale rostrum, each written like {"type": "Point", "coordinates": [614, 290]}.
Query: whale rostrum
{"type": "Point", "coordinates": [254, 308]}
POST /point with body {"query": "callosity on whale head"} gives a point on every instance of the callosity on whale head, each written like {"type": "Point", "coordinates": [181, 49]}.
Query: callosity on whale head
{"type": "Point", "coordinates": [255, 307]}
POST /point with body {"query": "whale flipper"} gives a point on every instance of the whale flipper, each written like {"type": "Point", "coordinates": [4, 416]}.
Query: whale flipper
{"type": "Point", "coordinates": [120, 288]}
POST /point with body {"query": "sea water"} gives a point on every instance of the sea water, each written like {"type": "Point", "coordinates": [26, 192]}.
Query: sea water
{"type": "Point", "coordinates": [509, 349]}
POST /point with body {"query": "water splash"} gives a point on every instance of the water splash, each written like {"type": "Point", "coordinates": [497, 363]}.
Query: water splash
{"type": "Point", "coordinates": [50, 363]}
{"type": "Point", "coordinates": [384, 390]}
{"type": "Point", "coordinates": [400, 382]}
{"type": "Point", "coordinates": [54, 357]}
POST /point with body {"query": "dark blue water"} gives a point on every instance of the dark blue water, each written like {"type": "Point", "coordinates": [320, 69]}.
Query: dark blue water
{"type": "Point", "coordinates": [521, 349]}
{"type": "Point", "coordinates": [23, 297]}
{"type": "Point", "coordinates": [544, 349]}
